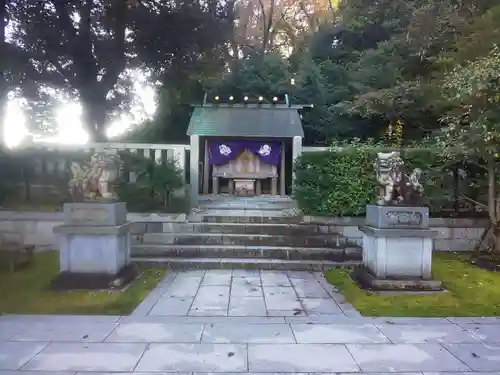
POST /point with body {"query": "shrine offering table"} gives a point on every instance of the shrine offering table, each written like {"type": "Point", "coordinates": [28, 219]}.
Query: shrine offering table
{"type": "Point", "coordinates": [251, 182]}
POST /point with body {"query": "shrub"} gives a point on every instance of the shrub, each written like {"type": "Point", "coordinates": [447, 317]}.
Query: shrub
{"type": "Point", "coordinates": [342, 182]}
{"type": "Point", "coordinates": [155, 187]}
{"type": "Point", "coordinates": [339, 183]}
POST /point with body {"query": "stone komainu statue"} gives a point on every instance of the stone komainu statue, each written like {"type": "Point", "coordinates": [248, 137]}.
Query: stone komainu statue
{"type": "Point", "coordinates": [97, 179]}
{"type": "Point", "coordinates": [395, 186]}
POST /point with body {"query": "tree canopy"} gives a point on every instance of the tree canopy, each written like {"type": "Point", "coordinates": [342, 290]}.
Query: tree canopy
{"type": "Point", "coordinates": [363, 65]}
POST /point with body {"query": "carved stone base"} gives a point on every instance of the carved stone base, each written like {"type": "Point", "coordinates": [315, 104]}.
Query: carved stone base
{"type": "Point", "coordinates": [93, 249]}
{"type": "Point", "coordinates": [95, 213]}
{"type": "Point", "coordinates": [397, 217]}
{"type": "Point", "coordinates": [398, 253]}
{"type": "Point", "coordinates": [367, 280]}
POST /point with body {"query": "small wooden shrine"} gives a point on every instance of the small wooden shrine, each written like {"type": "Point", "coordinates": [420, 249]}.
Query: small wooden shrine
{"type": "Point", "coordinates": [240, 147]}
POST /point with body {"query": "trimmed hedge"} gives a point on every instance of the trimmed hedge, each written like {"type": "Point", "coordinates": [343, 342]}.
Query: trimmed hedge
{"type": "Point", "coordinates": [342, 183]}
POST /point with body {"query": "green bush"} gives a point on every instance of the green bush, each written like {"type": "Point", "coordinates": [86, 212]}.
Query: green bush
{"type": "Point", "coordinates": [342, 183]}
{"type": "Point", "coordinates": [156, 185]}
{"type": "Point", "coordinates": [437, 178]}
{"type": "Point", "coordinates": [336, 183]}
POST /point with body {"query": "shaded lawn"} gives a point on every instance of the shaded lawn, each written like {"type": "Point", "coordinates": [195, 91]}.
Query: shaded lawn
{"type": "Point", "coordinates": [30, 207]}
{"type": "Point", "coordinates": [25, 291]}
{"type": "Point", "coordinates": [472, 292]}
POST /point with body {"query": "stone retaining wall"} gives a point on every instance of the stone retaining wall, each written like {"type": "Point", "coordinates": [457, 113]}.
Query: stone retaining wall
{"type": "Point", "coordinates": [38, 227]}
{"type": "Point", "coordinates": [453, 234]}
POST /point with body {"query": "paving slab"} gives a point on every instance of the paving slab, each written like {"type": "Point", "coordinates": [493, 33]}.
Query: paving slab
{"type": "Point", "coordinates": [271, 278]}
{"type": "Point", "coordinates": [304, 275]}
{"type": "Point", "coordinates": [194, 312]}
{"type": "Point", "coordinates": [245, 273]}
{"type": "Point", "coordinates": [349, 310]}
{"type": "Point", "coordinates": [14, 355]}
{"type": "Point", "coordinates": [280, 298]}
{"type": "Point", "coordinates": [422, 333]}
{"type": "Point", "coordinates": [404, 358]}
{"type": "Point", "coordinates": [183, 286]}
{"type": "Point", "coordinates": [479, 357]}
{"type": "Point", "coordinates": [246, 281]}
{"type": "Point", "coordinates": [217, 277]}
{"type": "Point", "coordinates": [300, 358]}
{"type": "Point", "coordinates": [337, 334]}
{"type": "Point", "coordinates": [327, 319]}
{"type": "Point", "coordinates": [287, 313]}
{"type": "Point", "coordinates": [109, 373]}
{"type": "Point", "coordinates": [204, 319]}
{"type": "Point", "coordinates": [157, 332]}
{"type": "Point", "coordinates": [246, 290]}
{"type": "Point", "coordinates": [87, 357]}
{"type": "Point", "coordinates": [247, 306]}
{"type": "Point", "coordinates": [256, 373]}
{"type": "Point", "coordinates": [149, 302]}
{"type": "Point", "coordinates": [8, 329]}
{"type": "Point", "coordinates": [211, 298]}
{"type": "Point", "coordinates": [489, 333]}
{"type": "Point", "coordinates": [194, 357]}
{"type": "Point", "coordinates": [67, 332]}
{"type": "Point", "coordinates": [309, 288]}
{"type": "Point", "coordinates": [248, 333]}
{"type": "Point", "coordinates": [167, 305]}
{"type": "Point", "coordinates": [191, 273]}
{"type": "Point", "coordinates": [321, 306]}
{"type": "Point", "coordinates": [475, 320]}
{"type": "Point", "coordinates": [13, 372]}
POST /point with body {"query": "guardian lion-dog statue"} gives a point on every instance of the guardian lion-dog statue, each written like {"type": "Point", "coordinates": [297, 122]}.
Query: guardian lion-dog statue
{"type": "Point", "coordinates": [395, 186]}
{"type": "Point", "coordinates": [96, 180]}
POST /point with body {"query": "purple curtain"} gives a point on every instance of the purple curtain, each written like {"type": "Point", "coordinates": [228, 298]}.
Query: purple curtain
{"type": "Point", "coordinates": [221, 152]}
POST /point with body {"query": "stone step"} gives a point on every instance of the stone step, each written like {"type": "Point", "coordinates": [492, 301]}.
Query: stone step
{"type": "Point", "coordinates": [255, 228]}
{"type": "Point", "coordinates": [305, 240]}
{"type": "Point", "coordinates": [231, 263]}
{"type": "Point", "coordinates": [248, 207]}
{"type": "Point", "coordinates": [232, 199]}
{"type": "Point", "coordinates": [256, 218]}
{"type": "Point", "coordinates": [351, 253]}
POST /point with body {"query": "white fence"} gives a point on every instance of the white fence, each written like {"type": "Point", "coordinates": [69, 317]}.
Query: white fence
{"type": "Point", "coordinates": [58, 162]}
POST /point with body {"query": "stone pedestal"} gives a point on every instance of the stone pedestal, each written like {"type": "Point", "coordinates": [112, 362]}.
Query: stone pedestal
{"type": "Point", "coordinates": [95, 242]}
{"type": "Point", "coordinates": [397, 249]}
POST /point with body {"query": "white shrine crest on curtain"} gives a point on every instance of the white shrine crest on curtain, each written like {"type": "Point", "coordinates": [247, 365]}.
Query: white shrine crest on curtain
{"type": "Point", "coordinates": [224, 150]}
{"type": "Point", "coordinates": [265, 150]}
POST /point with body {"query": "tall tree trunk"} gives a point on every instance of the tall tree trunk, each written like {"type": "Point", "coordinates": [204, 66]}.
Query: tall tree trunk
{"type": "Point", "coordinates": [94, 115]}
{"type": "Point", "coordinates": [267, 25]}
{"type": "Point", "coordinates": [493, 205]}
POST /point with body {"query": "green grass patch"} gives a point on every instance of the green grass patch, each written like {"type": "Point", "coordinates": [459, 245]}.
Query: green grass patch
{"type": "Point", "coordinates": [472, 292]}
{"type": "Point", "coordinates": [25, 291]}
{"type": "Point", "coordinates": [38, 207]}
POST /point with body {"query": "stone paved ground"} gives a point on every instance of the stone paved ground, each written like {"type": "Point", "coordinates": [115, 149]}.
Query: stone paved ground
{"type": "Point", "coordinates": [244, 293]}
{"type": "Point", "coordinates": [202, 339]}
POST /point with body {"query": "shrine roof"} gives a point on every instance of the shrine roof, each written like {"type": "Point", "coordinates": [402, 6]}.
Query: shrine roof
{"type": "Point", "coordinates": [246, 121]}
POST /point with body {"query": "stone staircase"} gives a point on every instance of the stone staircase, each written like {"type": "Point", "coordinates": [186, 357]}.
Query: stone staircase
{"type": "Point", "coordinates": [257, 232]}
